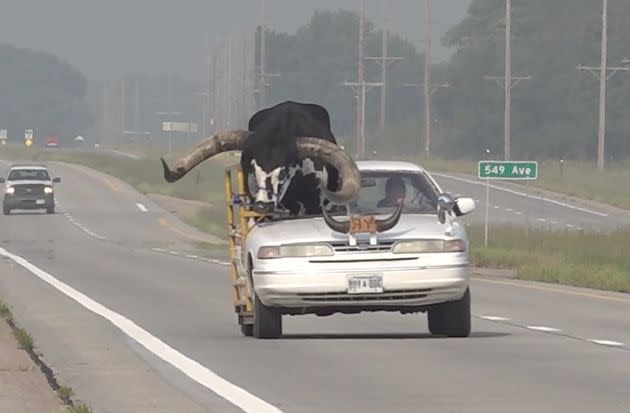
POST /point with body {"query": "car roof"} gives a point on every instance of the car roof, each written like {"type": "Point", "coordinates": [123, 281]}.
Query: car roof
{"type": "Point", "coordinates": [28, 166]}
{"type": "Point", "coordinates": [378, 165]}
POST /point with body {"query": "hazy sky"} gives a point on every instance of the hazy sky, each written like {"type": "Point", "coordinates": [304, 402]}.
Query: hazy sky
{"type": "Point", "coordinates": [104, 38]}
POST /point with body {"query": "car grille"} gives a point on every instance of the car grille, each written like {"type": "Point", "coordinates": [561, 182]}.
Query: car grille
{"type": "Point", "coordinates": [29, 189]}
{"type": "Point", "coordinates": [382, 246]}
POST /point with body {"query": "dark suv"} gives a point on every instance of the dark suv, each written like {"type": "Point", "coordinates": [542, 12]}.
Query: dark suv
{"type": "Point", "coordinates": [28, 187]}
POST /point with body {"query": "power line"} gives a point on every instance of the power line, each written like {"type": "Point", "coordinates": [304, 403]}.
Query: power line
{"type": "Point", "coordinates": [603, 77]}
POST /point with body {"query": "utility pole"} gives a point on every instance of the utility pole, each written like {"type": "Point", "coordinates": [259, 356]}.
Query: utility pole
{"type": "Point", "coordinates": [263, 76]}
{"type": "Point", "coordinates": [384, 61]}
{"type": "Point", "coordinates": [509, 81]}
{"type": "Point", "coordinates": [603, 77]}
{"type": "Point", "coordinates": [427, 79]}
{"type": "Point", "coordinates": [361, 85]}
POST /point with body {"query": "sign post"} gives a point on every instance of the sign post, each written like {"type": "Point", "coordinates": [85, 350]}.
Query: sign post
{"type": "Point", "coordinates": [3, 136]}
{"type": "Point", "coordinates": [504, 170]}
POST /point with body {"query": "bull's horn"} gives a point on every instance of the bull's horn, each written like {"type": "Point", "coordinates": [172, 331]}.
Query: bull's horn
{"type": "Point", "coordinates": [391, 221]}
{"type": "Point", "coordinates": [349, 177]}
{"type": "Point", "coordinates": [221, 142]}
{"type": "Point", "coordinates": [337, 226]}
{"type": "Point", "coordinates": [382, 225]}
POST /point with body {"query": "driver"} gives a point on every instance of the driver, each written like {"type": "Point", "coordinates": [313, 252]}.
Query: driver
{"type": "Point", "coordinates": [394, 192]}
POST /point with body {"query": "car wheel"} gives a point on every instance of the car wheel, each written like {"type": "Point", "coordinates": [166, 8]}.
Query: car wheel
{"type": "Point", "coordinates": [6, 210]}
{"type": "Point", "coordinates": [451, 319]}
{"type": "Point", "coordinates": [267, 320]}
{"type": "Point", "coordinates": [50, 210]}
{"type": "Point", "coordinates": [247, 330]}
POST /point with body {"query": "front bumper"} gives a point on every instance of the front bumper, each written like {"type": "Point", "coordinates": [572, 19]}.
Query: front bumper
{"type": "Point", "coordinates": [403, 287]}
{"type": "Point", "coordinates": [43, 201]}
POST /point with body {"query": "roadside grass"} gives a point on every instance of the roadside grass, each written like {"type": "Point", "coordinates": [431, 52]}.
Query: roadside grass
{"type": "Point", "coordinates": [576, 178]}
{"type": "Point", "coordinates": [24, 339]}
{"type": "Point", "coordinates": [79, 408]}
{"type": "Point", "coordinates": [65, 393]}
{"type": "Point", "coordinates": [210, 219]}
{"type": "Point", "coordinates": [581, 259]}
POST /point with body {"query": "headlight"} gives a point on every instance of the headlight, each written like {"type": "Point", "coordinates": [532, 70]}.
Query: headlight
{"type": "Point", "coordinates": [429, 246]}
{"type": "Point", "coordinates": [304, 250]}
{"type": "Point", "coordinates": [10, 190]}
{"type": "Point", "coordinates": [48, 190]}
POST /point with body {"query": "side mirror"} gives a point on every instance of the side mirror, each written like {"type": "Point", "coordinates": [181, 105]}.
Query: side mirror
{"type": "Point", "coordinates": [464, 206]}
{"type": "Point", "coordinates": [446, 203]}
{"type": "Point", "coordinates": [2, 180]}
{"type": "Point", "coordinates": [57, 180]}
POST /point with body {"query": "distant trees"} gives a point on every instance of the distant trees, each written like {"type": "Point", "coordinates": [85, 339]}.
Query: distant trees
{"type": "Point", "coordinates": [555, 113]}
{"type": "Point", "coordinates": [40, 92]}
{"type": "Point", "coordinates": [322, 54]}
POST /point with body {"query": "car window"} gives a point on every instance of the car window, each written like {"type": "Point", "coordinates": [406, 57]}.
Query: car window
{"type": "Point", "coordinates": [380, 192]}
{"type": "Point", "coordinates": [28, 174]}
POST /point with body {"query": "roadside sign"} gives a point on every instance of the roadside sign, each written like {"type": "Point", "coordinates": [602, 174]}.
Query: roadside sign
{"type": "Point", "coordinates": [515, 170]}
{"type": "Point", "coordinates": [179, 127]}
{"type": "Point", "coordinates": [504, 170]}
{"type": "Point", "coordinates": [3, 136]}
{"type": "Point", "coordinates": [28, 134]}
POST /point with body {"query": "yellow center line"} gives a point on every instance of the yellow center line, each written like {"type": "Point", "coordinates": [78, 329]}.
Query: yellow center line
{"type": "Point", "coordinates": [555, 290]}
{"type": "Point", "coordinates": [108, 182]}
{"type": "Point", "coordinates": [165, 224]}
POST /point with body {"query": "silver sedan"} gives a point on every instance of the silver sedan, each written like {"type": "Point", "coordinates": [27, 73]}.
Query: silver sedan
{"type": "Point", "coordinates": [307, 266]}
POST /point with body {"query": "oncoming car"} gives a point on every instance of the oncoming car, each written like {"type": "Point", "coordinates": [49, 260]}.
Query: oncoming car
{"type": "Point", "coordinates": [28, 187]}
{"type": "Point", "coordinates": [309, 265]}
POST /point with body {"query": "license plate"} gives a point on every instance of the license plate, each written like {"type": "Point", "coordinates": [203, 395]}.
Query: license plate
{"type": "Point", "coordinates": [365, 285]}
{"type": "Point", "coordinates": [40, 202]}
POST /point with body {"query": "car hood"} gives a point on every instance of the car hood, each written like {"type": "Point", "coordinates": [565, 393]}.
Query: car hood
{"type": "Point", "coordinates": [28, 182]}
{"type": "Point", "coordinates": [315, 230]}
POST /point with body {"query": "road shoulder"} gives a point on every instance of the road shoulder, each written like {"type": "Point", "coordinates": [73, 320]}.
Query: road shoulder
{"type": "Point", "coordinates": [91, 356]}
{"type": "Point", "coordinates": [23, 386]}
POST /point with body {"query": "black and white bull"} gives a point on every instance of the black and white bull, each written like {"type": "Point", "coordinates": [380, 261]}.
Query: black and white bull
{"type": "Point", "coordinates": [290, 158]}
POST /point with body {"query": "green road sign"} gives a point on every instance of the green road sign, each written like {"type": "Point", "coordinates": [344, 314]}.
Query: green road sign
{"type": "Point", "coordinates": [508, 170]}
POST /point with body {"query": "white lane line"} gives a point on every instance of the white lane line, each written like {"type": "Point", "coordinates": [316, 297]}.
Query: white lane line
{"type": "Point", "coordinates": [199, 373]}
{"type": "Point", "coordinates": [606, 342]}
{"type": "Point", "coordinates": [555, 222]}
{"type": "Point", "coordinates": [494, 318]}
{"type": "Point", "coordinates": [569, 226]}
{"type": "Point", "coordinates": [588, 211]}
{"type": "Point", "coordinates": [518, 213]}
{"type": "Point", "coordinates": [543, 328]}
{"type": "Point", "coordinates": [541, 220]}
{"type": "Point", "coordinates": [508, 209]}
{"type": "Point", "coordinates": [142, 207]}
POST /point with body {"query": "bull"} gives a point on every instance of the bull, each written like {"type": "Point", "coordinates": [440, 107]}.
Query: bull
{"type": "Point", "coordinates": [290, 158]}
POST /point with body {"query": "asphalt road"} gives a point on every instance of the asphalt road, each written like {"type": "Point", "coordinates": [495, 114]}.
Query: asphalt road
{"type": "Point", "coordinates": [525, 207]}
{"type": "Point", "coordinates": [133, 327]}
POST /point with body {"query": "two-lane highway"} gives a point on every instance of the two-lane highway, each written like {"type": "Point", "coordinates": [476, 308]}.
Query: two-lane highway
{"type": "Point", "coordinates": [132, 329]}
{"type": "Point", "coordinates": [524, 207]}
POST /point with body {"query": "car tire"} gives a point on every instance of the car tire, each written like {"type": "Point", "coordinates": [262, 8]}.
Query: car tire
{"type": "Point", "coordinates": [451, 319]}
{"type": "Point", "coordinates": [247, 330]}
{"type": "Point", "coordinates": [267, 320]}
{"type": "Point", "coordinates": [50, 210]}
{"type": "Point", "coordinates": [6, 210]}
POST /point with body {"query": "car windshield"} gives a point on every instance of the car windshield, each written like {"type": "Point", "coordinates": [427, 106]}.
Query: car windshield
{"type": "Point", "coordinates": [380, 193]}
{"type": "Point", "coordinates": [29, 174]}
